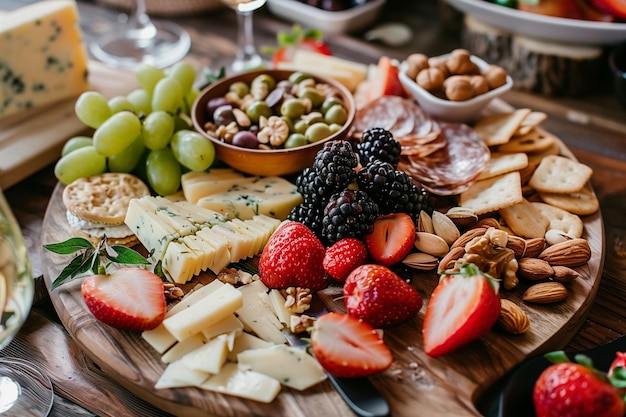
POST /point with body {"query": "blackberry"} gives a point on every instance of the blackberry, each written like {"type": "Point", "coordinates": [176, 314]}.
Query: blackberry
{"type": "Point", "coordinates": [310, 215]}
{"type": "Point", "coordinates": [394, 190]}
{"type": "Point", "coordinates": [349, 213]}
{"type": "Point", "coordinates": [378, 144]}
{"type": "Point", "coordinates": [335, 164]}
{"type": "Point", "coordinates": [312, 188]}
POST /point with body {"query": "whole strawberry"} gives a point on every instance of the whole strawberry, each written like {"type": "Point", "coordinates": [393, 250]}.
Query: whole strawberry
{"type": "Point", "coordinates": [379, 297]}
{"type": "Point", "coordinates": [344, 256]}
{"type": "Point", "coordinates": [575, 389]}
{"type": "Point", "coordinates": [293, 257]}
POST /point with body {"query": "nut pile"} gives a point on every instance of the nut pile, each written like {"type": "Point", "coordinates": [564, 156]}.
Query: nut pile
{"type": "Point", "coordinates": [456, 78]}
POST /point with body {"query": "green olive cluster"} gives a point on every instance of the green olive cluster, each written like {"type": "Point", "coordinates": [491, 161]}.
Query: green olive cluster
{"type": "Point", "coordinates": [274, 114]}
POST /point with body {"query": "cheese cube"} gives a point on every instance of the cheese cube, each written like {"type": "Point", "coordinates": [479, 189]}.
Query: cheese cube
{"type": "Point", "coordinates": [291, 366]}
{"type": "Point", "coordinates": [246, 384]}
{"type": "Point", "coordinates": [43, 59]}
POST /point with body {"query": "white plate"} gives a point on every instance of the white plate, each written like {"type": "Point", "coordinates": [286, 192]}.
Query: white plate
{"type": "Point", "coordinates": [539, 26]}
{"type": "Point", "coordinates": [345, 21]}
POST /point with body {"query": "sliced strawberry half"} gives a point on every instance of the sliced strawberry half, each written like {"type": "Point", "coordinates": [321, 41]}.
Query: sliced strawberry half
{"type": "Point", "coordinates": [343, 256]}
{"type": "Point", "coordinates": [463, 307]}
{"type": "Point", "coordinates": [392, 238]}
{"type": "Point", "coordinates": [348, 347]}
{"type": "Point", "coordinates": [128, 298]}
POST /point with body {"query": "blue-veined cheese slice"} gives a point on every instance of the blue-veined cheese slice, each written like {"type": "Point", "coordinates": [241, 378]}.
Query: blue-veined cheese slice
{"type": "Point", "coordinates": [42, 56]}
{"type": "Point", "coordinates": [271, 196]}
{"type": "Point", "coordinates": [196, 185]}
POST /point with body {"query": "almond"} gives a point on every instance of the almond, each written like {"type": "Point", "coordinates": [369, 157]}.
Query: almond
{"type": "Point", "coordinates": [512, 318]}
{"type": "Point", "coordinates": [445, 228]}
{"type": "Point", "coordinates": [454, 254]}
{"type": "Point", "coordinates": [488, 222]}
{"type": "Point", "coordinates": [534, 246]}
{"type": "Point", "coordinates": [463, 217]}
{"type": "Point", "coordinates": [564, 274]}
{"type": "Point", "coordinates": [468, 236]}
{"type": "Point", "coordinates": [574, 252]}
{"type": "Point", "coordinates": [518, 245]}
{"type": "Point", "coordinates": [545, 293]}
{"type": "Point", "coordinates": [534, 269]}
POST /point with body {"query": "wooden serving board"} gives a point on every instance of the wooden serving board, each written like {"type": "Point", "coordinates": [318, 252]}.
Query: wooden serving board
{"type": "Point", "coordinates": [33, 139]}
{"type": "Point", "coordinates": [441, 386]}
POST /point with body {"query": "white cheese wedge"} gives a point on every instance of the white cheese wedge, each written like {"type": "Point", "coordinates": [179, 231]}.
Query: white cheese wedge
{"type": "Point", "coordinates": [180, 262]}
{"type": "Point", "coordinates": [196, 185]}
{"type": "Point", "coordinates": [200, 315]}
{"type": "Point", "coordinates": [246, 384]}
{"type": "Point", "coordinates": [209, 357]}
{"type": "Point", "coordinates": [221, 244]}
{"type": "Point", "coordinates": [177, 375]}
{"type": "Point", "coordinates": [277, 303]}
{"type": "Point", "coordinates": [153, 234]}
{"type": "Point", "coordinates": [230, 324]}
{"type": "Point", "coordinates": [256, 315]}
{"type": "Point", "coordinates": [43, 59]}
{"type": "Point", "coordinates": [182, 348]}
{"type": "Point", "coordinates": [291, 366]}
{"type": "Point", "coordinates": [271, 196]}
{"type": "Point", "coordinates": [246, 341]}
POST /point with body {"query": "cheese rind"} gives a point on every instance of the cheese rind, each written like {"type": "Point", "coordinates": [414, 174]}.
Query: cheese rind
{"type": "Point", "coordinates": [43, 59]}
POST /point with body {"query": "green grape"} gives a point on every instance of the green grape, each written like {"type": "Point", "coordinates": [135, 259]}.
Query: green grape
{"type": "Point", "coordinates": [181, 123]}
{"type": "Point", "coordinates": [76, 142]}
{"type": "Point", "coordinates": [120, 103]}
{"type": "Point", "coordinates": [157, 130]}
{"type": "Point", "coordinates": [92, 109]}
{"type": "Point", "coordinates": [190, 99]}
{"type": "Point", "coordinates": [148, 76]}
{"type": "Point", "coordinates": [184, 73]}
{"type": "Point", "coordinates": [127, 160]}
{"type": "Point", "coordinates": [141, 100]}
{"type": "Point", "coordinates": [83, 162]}
{"type": "Point", "coordinates": [117, 133]}
{"type": "Point", "coordinates": [167, 96]}
{"type": "Point", "coordinates": [163, 171]}
{"type": "Point", "coordinates": [193, 150]}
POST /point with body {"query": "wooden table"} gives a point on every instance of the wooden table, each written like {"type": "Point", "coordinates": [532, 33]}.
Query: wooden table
{"type": "Point", "coordinates": [594, 128]}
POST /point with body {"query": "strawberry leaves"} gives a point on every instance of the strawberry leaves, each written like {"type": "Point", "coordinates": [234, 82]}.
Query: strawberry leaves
{"type": "Point", "coordinates": [91, 257]}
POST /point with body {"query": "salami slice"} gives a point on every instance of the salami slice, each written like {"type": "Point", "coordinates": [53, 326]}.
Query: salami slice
{"type": "Point", "coordinates": [453, 168]}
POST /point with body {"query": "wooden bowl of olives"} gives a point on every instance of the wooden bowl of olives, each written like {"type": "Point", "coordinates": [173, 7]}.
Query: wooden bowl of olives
{"type": "Point", "coordinates": [272, 122]}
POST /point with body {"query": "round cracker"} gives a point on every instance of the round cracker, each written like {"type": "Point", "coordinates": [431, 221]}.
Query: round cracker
{"type": "Point", "coordinates": [582, 202]}
{"type": "Point", "coordinates": [103, 198]}
{"type": "Point", "coordinates": [560, 219]}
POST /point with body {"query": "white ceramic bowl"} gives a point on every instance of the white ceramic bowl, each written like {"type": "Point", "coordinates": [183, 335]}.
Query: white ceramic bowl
{"type": "Point", "coordinates": [453, 111]}
{"type": "Point", "coordinates": [345, 21]}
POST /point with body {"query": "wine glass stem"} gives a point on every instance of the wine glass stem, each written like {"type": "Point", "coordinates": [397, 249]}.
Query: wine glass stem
{"type": "Point", "coordinates": [141, 27]}
{"type": "Point", "coordinates": [246, 36]}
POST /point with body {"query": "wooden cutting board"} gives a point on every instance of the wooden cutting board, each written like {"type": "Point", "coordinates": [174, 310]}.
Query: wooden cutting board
{"type": "Point", "coordinates": [441, 386]}
{"type": "Point", "coordinates": [33, 139]}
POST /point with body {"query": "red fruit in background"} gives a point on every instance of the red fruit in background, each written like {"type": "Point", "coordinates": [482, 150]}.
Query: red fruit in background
{"type": "Point", "coordinates": [128, 298]}
{"type": "Point", "coordinates": [568, 389]}
{"type": "Point", "coordinates": [392, 238]}
{"type": "Point", "coordinates": [385, 81]}
{"type": "Point", "coordinates": [293, 257]}
{"type": "Point", "coordinates": [463, 307]}
{"type": "Point", "coordinates": [289, 42]}
{"type": "Point", "coordinates": [343, 256]}
{"type": "Point", "coordinates": [348, 347]}
{"type": "Point", "coordinates": [378, 296]}
{"type": "Point", "coordinates": [616, 8]}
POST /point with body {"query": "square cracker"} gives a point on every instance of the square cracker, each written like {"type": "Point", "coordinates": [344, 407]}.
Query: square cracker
{"type": "Point", "coordinates": [499, 128]}
{"type": "Point", "coordinates": [562, 220]}
{"type": "Point", "coordinates": [536, 140]}
{"type": "Point", "coordinates": [501, 163]}
{"type": "Point", "coordinates": [558, 174]}
{"type": "Point", "coordinates": [493, 193]}
{"type": "Point", "coordinates": [525, 220]}
{"type": "Point", "coordinates": [531, 121]}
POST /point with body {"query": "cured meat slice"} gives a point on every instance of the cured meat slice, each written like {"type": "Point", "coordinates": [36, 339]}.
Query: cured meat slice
{"type": "Point", "coordinates": [453, 168]}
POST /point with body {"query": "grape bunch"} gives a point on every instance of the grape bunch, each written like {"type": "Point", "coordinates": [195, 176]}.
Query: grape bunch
{"type": "Point", "coordinates": [148, 132]}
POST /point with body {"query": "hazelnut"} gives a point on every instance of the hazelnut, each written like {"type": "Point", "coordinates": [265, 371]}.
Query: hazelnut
{"type": "Point", "coordinates": [442, 65]}
{"type": "Point", "coordinates": [430, 79]}
{"type": "Point", "coordinates": [495, 76]}
{"type": "Point", "coordinates": [458, 88]}
{"type": "Point", "coordinates": [479, 83]}
{"type": "Point", "coordinates": [460, 51]}
{"type": "Point", "coordinates": [416, 63]}
{"type": "Point", "coordinates": [461, 64]}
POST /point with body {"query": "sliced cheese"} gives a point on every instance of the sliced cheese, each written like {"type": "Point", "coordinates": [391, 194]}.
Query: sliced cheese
{"type": "Point", "coordinates": [210, 357]}
{"type": "Point", "coordinates": [182, 348]}
{"type": "Point", "coordinates": [240, 383]}
{"type": "Point", "coordinates": [43, 59]}
{"type": "Point", "coordinates": [177, 375]}
{"type": "Point", "coordinates": [246, 341]}
{"type": "Point", "coordinates": [256, 316]}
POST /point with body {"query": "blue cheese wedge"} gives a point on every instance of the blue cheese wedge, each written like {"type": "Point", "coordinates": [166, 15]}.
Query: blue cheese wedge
{"type": "Point", "coordinates": [43, 59]}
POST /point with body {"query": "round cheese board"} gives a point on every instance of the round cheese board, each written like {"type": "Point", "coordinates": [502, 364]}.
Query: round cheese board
{"type": "Point", "coordinates": [446, 385]}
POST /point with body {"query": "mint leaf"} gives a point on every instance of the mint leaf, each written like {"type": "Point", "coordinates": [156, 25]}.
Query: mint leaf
{"type": "Point", "coordinates": [69, 246]}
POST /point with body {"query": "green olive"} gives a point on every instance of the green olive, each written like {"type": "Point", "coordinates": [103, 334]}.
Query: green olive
{"type": "Point", "coordinates": [295, 140]}
{"type": "Point", "coordinates": [292, 108]}
{"type": "Point", "coordinates": [314, 117]}
{"type": "Point", "coordinates": [312, 94]}
{"type": "Point", "coordinates": [300, 126]}
{"type": "Point", "coordinates": [297, 77]}
{"type": "Point", "coordinates": [329, 102]}
{"type": "Point", "coordinates": [240, 88]}
{"type": "Point", "coordinates": [336, 114]}
{"type": "Point", "coordinates": [288, 122]}
{"type": "Point", "coordinates": [266, 79]}
{"type": "Point", "coordinates": [256, 109]}
{"type": "Point", "coordinates": [317, 132]}
{"type": "Point", "coordinates": [334, 127]}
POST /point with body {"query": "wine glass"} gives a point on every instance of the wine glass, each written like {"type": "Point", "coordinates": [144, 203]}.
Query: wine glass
{"type": "Point", "coordinates": [159, 44]}
{"type": "Point", "coordinates": [24, 390]}
{"type": "Point", "coordinates": [247, 55]}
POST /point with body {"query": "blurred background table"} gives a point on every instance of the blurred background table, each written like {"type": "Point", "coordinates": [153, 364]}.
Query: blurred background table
{"type": "Point", "coordinates": [593, 127]}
